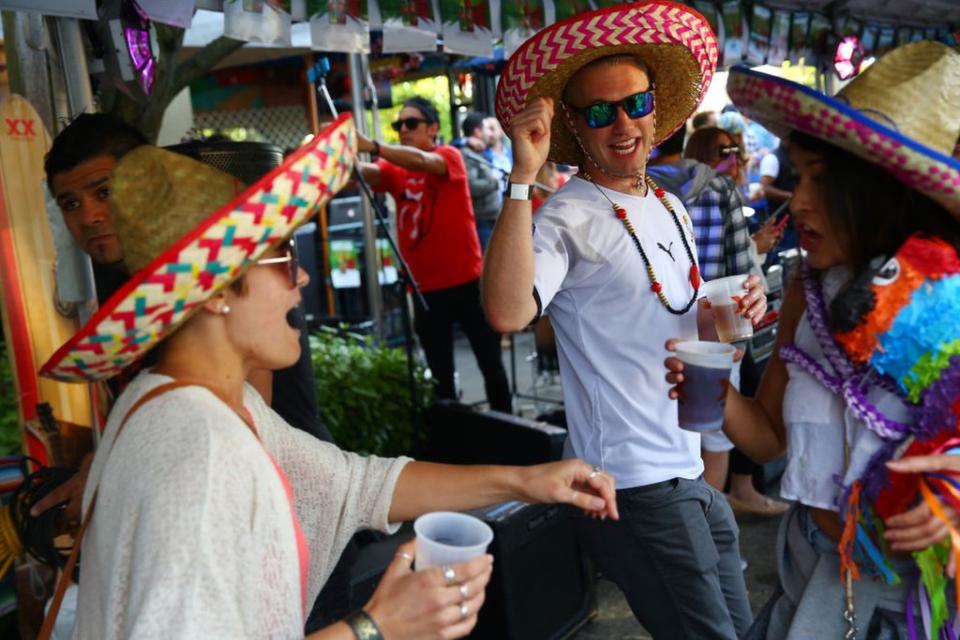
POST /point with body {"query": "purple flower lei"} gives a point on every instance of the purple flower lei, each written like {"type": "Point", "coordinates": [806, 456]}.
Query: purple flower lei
{"type": "Point", "coordinates": [851, 382]}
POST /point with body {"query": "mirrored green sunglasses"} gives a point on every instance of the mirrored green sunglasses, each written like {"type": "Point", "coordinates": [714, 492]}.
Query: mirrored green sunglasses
{"type": "Point", "coordinates": [603, 114]}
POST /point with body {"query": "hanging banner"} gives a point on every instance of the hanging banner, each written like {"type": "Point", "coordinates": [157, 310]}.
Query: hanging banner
{"type": "Point", "coordinates": [888, 36]}
{"type": "Point", "coordinates": [408, 26]}
{"type": "Point", "coordinates": [83, 9]}
{"type": "Point", "coordinates": [779, 38]}
{"type": "Point", "coordinates": [708, 9]}
{"type": "Point", "coordinates": [820, 28]}
{"type": "Point", "coordinates": [339, 25]}
{"type": "Point", "coordinates": [868, 38]}
{"type": "Point", "coordinates": [179, 13]}
{"type": "Point", "coordinates": [387, 273]}
{"type": "Point", "coordinates": [344, 273]}
{"type": "Point", "coordinates": [734, 32]}
{"type": "Point", "coordinates": [563, 9]}
{"type": "Point", "coordinates": [758, 43]}
{"type": "Point", "coordinates": [798, 37]}
{"type": "Point", "coordinates": [519, 21]}
{"type": "Point", "coordinates": [263, 21]}
{"type": "Point", "coordinates": [466, 27]}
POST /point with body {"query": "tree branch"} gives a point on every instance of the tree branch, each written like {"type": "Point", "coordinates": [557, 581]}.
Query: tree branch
{"type": "Point", "coordinates": [203, 61]}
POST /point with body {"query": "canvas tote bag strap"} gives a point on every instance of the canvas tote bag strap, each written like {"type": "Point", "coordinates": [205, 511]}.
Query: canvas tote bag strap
{"type": "Point", "coordinates": [65, 577]}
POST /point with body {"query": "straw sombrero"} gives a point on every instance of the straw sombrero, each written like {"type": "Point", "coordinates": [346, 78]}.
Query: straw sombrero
{"type": "Point", "coordinates": [902, 114]}
{"type": "Point", "coordinates": [674, 41]}
{"type": "Point", "coordinates": [180, 254]}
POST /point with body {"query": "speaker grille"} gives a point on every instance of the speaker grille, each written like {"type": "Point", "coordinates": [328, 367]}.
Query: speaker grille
{"type": "Point", "coordinates": [245, 161]}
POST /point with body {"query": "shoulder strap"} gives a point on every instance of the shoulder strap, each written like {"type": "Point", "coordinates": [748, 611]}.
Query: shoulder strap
{"type": "Point", "coordinates": [47, 629]}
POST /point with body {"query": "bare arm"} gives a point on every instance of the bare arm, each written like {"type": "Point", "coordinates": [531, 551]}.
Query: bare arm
{"type": "Point", "coordinates": [508, 268]}
{"type": "Point", "coordinates": [403, 156]}
{"type": "Point", "coordinates": [755, 425]}
{"type": "Point", "coordinates": [770, 191]}
{"type": "Point", "coordinates": [425, 486]}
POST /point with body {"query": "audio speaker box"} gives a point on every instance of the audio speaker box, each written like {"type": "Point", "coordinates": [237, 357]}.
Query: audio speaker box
{"type": "Point", "coordinates": [456, 434]}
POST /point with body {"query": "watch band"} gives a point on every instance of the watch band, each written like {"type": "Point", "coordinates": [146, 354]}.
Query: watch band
{"type": "Point", "coordinates": [517, 191]}
{"type": "Point", "coordinates": [363, 626]}
{"type": "Point", "coordinates": [376, 149]}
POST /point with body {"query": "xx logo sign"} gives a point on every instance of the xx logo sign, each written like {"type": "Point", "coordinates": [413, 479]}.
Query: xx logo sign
{"type": "Point", "coordinates": [20, 127]}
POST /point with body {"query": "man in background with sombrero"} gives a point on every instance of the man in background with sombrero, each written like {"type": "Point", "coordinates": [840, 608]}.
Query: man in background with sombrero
{"type": "Point", "coordinates": [612, 258]}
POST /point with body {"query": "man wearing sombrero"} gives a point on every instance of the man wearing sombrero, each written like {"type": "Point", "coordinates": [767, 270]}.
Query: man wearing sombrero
{"type": "Point", "coordinates": [612, 258]}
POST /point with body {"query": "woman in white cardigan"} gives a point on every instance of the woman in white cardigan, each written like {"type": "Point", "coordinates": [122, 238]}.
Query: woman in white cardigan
{"type": "Point", "coordinates": [207, 515]}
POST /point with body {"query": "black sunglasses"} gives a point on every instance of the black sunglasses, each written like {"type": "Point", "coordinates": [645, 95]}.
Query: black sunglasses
{"type": "Point", "coordinates": [409, 123]}
{"type": "Point", "coordinates": [289, 259]}
{"type": "Point", "coordinates": [727, 150]}
{"type": "Point", "coordinates": [603, 114]}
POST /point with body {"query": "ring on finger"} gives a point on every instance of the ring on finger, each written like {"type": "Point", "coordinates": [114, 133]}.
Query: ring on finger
{"type": "Point", "coordinates": [595, 472]}
{"type": "Point", "coordinates": [449, 574]}
{"type": "Point", "coordinates": [406, 556]}
{"type": "Point", "coordinates": [464, 611]}
{"type": "Point", "coordinates": [464, 591]}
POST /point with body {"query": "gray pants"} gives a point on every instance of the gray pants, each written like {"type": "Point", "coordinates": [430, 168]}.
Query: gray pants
{"type": "Point", "coordinates": [674, 554]}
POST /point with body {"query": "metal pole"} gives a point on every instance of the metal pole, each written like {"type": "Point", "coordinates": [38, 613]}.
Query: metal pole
{"type": "Point", "coordinates": [73, 60]}
{"type": "Point", "coordinates": [370, 266]}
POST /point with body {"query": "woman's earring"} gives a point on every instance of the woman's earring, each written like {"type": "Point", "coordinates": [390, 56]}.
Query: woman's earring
{"type": "Point", "coordinates": [224, 310]}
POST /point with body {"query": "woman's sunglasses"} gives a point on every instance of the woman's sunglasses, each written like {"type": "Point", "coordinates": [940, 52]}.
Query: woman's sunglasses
{"type": "Point", "coordinates": [603, 114]}
{"type": "Point", "coordinates": [409, 123]}
{"type": "Point", "coordinates": [728, 150]}
{"type": "Point", "coordinates": [289, 259]}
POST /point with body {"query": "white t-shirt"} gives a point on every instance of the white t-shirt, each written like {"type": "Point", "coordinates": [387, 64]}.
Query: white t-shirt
{"type": "Point", "coordinates": [193, 534]}
{"type": "Point", "coordinates": [770, 165]}
{"type": "Point", "coordinates": [611, 329]}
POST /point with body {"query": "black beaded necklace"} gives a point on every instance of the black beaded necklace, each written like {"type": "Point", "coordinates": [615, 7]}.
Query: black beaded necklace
{"type": "Point", "coordinates": [655, 285]}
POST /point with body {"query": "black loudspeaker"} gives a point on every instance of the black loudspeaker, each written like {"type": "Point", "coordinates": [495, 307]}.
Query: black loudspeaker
{"type": "Point", "coordinates": [540, 588]}
{"type": "Point", "coordinates": [306, 240]}
{"type": "Point", "coordinates": [246, 161]}
{"type": "Point", "coordinates": [456, 434]}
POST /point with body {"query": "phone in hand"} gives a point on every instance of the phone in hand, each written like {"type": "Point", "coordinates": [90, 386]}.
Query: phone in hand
{"type": "Point", "coordinates": [783, 222]}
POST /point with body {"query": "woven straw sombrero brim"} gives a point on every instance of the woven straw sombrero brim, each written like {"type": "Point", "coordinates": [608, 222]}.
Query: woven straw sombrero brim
{"type": "Point", "coordinates": [674, 41]}
{"type": "Point", "coordinates": [783, 106]}
{"type": "Point", "coordinates": [161, 296]}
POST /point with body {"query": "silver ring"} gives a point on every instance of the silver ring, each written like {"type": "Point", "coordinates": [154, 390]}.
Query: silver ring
{"type": "Point", "coordinates": [406, 556]}
{"type": "Point", "coordinates": [596, 471]}
{"type": "Point", "coordinates": [464, 591]}
{"type": "Point", "coordinates": [464, 610]}
{"type": "Point", "coordinates": [449, 574]}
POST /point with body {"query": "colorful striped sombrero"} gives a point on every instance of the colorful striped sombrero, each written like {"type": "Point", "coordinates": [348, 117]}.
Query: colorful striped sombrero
{"type": "Point", "coordinates": [180, 254]}
{"type": "Point", "coordinates": [902, 114]}
{"type": "Point", "coordinates": [674, 41]}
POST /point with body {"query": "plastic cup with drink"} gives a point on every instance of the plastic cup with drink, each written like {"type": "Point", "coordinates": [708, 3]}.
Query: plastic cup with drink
{"type": "Point", "coordinates": [446, 537]}
{"type": "Point", "coordinates": [725, 296]}
{"type": "Point", "coordinates": [706, 375]}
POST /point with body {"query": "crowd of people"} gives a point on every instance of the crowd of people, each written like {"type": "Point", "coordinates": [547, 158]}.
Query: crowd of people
{"type": "Point", "coordinates": [200, 453]}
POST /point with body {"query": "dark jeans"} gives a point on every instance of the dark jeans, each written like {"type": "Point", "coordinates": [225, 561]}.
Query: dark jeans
{"type": "Point", "coordinates": [674, 555]}
{"type": "Point", "coordinates": [435, 328]}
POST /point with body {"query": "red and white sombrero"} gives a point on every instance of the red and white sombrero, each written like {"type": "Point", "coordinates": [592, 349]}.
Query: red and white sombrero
{"type": "Point", "coordinates": [674, 41]}
{"type": "Point", "coordinates": [902, 114]}
{"type": "Point", "coordinates": [180, 254]}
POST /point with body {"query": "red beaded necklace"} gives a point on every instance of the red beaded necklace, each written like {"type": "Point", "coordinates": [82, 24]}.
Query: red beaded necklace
{"type": "Point", "coordinates": [655, 285]}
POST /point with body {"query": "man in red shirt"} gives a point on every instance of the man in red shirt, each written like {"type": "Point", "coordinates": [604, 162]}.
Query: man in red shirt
{"type": "Point", "coordinates": [438, 239]}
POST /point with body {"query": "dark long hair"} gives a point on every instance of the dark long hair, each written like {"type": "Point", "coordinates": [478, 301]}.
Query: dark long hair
{"type": "Point", "coordinates": [872, 213]}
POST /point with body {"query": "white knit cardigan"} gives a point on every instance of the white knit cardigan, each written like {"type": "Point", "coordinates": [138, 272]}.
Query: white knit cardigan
{"type": "Point", "coordinates": [192, 534]}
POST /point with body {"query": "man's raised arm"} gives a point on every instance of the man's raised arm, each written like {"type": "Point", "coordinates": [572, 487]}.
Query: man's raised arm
{"type": "Point", "coordinates": [401, 155]}
{"type": "Point", "coordinates": [507, 286]}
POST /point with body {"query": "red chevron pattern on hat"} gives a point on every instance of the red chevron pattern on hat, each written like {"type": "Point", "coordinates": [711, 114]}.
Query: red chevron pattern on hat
{"type": "Point", "coordinates": [160, 297]}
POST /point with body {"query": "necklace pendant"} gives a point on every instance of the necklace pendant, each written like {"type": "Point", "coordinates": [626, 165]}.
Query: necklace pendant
{"type": "Point", "coordinates": [619, 211]}
{"type": "Point", "coordinates": [695, 276]}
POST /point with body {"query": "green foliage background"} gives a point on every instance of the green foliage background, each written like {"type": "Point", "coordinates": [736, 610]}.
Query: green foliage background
{"type": "Point", "coordinates": [9, 414]}
{"type": "Point", "coordinates": [364, 394]}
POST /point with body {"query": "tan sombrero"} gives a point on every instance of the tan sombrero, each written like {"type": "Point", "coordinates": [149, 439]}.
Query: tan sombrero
{"type": "Point", "coordinates": [674, 41]}
{"type": "Point", "coordinates": [180, 254]}
{"type": "Point", "coordinates": [902, 114]}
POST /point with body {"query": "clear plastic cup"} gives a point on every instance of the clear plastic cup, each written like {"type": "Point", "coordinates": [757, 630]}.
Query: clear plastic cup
{"type": "Point", "coordinates": [446, 537]}
{"type": "Point", "coordinates": [725, 296]}
{"type": "Point", "coordinates": [706, 376]}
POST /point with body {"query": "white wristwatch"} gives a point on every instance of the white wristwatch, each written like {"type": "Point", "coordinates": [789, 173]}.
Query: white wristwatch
{"type": "Point", "coordinates": [516, 191]}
